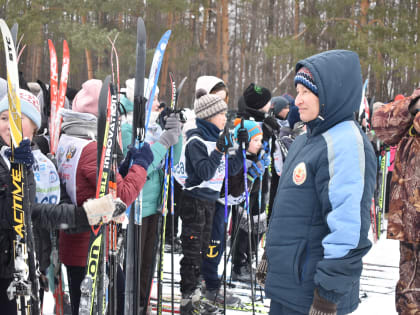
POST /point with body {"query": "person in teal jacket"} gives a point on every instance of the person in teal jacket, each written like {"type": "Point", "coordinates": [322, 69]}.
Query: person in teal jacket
{"type": "Point", "coordinates": [160, 138]}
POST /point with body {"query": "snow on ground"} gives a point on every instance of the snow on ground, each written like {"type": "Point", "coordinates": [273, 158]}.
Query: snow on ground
{"type": "Point", "coordinates": [378, 281]}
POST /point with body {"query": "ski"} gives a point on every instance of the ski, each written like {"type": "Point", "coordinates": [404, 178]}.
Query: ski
{"type": "Point", "coordinates": [57, 99]}
{"type": "Point", "coordinates": [24, 286]}
{"type": "Point", "coordinates": [140, 126]}
{"type": "Point", "coordinates": [92, 300]}
{"type": "Point", "coordinates": [115, 237]}
{"type": "Point", "coordinates": [380, 209]}
{"type": "Point", "coordinates": [57, 95]}
{"type": "Point", "coordinates": [150, 94]}
{"type": "Point", "coordinates": [243, 307]}
{"type": "Point", "coordinates": [168, 180]}
{"type": "Point", "coordinates": [132, 267]}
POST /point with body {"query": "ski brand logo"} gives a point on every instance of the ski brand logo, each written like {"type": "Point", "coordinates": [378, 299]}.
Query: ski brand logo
{"type": "Point", "coordinates": [18, 214]}
{"type": "Point", "coordinates": [299, 174]}
{"type": "Point", "coordinates": [94, 257]}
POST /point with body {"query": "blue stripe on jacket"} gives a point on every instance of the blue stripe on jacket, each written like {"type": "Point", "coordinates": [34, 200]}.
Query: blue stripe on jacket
{"type": "Point", "coordinates": [344, 219]}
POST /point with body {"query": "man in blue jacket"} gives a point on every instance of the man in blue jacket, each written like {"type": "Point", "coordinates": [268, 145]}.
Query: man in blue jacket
{"type": "Point", "coordinates": [318, 230]}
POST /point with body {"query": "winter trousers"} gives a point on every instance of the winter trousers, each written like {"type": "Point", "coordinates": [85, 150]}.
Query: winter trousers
{"type": "Point", "coordinates": [197, 219]}
{"type": "Point", "coordinates": [407, 292]}
{"type": "Point", "coordinates": [214, 254]}
{"type": "Point", "coordinates": [149, 246]}
{"type": "Point", "coordinates": [240, 242]}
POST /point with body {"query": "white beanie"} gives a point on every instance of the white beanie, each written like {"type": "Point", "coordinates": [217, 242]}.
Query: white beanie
{"type": "Point", "coordinates": [207, 83]}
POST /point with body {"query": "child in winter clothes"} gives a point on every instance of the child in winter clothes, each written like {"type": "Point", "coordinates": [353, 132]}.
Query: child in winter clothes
{"type": "Point", "coordinates": [255, 104]}
{"type": "Point", "coordinates": [257, 162]}
{"type": "Point", "coordinates": [398, 123]}
{"type": "Point", "coordinates": [43, 194]}
{"type": "Point", "coordinates": [216, 86]}
{"type": "Point", "coordinates": [77, 165]}
{"type": "Point", "coordinates": [204, 167]}
{"type": "Point", "coordinates": [318, 231]}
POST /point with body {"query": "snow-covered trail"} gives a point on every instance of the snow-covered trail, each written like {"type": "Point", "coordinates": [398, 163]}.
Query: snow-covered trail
{"type": "Point", "coordinates": [379, 277]}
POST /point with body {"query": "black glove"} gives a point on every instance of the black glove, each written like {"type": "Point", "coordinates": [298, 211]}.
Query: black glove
{"type": "Point", "coordinates": [22, 154]}
{"type": "Point", "coordinates": [143, 156]}
{"type": "Point", "coordinates": [243, 137]}
{"type": "Point", "coordinates": [125, 165]}
{"type": "Point", "coordinates": [224, 142]}
{"type": "Point", "coordinates": [269, 126]}
{"type": "Point", "coordinates": [321, 306]}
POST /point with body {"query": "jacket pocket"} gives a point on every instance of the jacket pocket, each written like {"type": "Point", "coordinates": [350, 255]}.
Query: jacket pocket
{"type": "Point", "coordinates": [287, 260]}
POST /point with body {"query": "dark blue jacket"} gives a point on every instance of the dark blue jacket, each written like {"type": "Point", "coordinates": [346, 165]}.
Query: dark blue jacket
{"type": "Point", "coordinates": [201, 165]}
{"type": "Point", "coordinates": [318, 230]}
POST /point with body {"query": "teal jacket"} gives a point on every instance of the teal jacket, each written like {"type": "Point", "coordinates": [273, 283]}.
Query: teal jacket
{"type": "Point", "coordinates": [153, 188]}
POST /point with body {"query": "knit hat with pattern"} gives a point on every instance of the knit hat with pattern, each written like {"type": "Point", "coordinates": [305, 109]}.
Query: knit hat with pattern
{"type": "Point", "coordinates": [208, 105]}
{"type": "Point", "coordinates": [253, 128]}
{"type": "Point", "coordinates": [305, 77]}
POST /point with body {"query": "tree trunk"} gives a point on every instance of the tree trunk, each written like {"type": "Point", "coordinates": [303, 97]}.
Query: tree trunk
{"type": "Point", "coordinates": [88, 56]}
{"type": "Point", "coordinates": [296, 20]}
{"type": "Point", "coordinates": [225, 41]}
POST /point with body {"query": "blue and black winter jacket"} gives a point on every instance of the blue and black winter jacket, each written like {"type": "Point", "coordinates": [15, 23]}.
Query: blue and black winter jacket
{"type": "Point", "coordinates": [318, 230]}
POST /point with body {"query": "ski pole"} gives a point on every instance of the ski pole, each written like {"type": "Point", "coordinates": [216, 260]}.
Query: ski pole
{"type": "Point", "coordinates": [249, 220]}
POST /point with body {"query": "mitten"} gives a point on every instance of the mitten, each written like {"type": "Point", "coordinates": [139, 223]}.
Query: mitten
{"type": "Point", "coordinates": [97, 208]}
{"type": "Point", "coordinates": [143, 156]}
{"type": "Point", "coordinates": [22, 154]}
{"type": "Point", "coordinates": [224, 142]}
{"type": "Point", "coordinates": [321, 306]}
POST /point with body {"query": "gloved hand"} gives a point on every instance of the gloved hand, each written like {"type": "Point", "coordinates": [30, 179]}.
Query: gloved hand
{"type": "Point", "coordinates": [103, 209]}
{"type": "Point", "coordinates": [22, 154]}
{"type": "Point", "coordinates": [321, 306]}
{"type": "Point", "coordinates": [265, 160]}
{"type": "Point", "coordinates": [255, 169]}
{"type": "Point", "coordinates": [269, 126]}
{"type": "Point", "coordinates": [143, 156]}
{"type": "Point", "coordinates": [172, 131]}
{"type": "Point", "coordinates": [224, 142]}
{"type": "Point", "coordinates": [125, 164]}
{"type": "Point", "coordinates": [243, 137]}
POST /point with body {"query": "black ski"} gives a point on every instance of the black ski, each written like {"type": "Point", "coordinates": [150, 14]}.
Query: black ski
{"type": "Point", "coordinates": [133, 259]}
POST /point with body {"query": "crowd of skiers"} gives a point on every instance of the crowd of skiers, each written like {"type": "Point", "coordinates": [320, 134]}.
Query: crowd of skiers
{"type": "Point", "coordinates": [300, 171]}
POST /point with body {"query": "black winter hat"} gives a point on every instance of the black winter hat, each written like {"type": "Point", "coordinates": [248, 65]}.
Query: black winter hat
{"type": "Point", "coordinates": [256, 96]}
{"type": "Point", "coordinates": [279, 102]}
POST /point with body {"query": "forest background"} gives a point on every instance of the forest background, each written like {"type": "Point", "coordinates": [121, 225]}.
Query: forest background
{"type": "Point", "coordinates": [241, 41]}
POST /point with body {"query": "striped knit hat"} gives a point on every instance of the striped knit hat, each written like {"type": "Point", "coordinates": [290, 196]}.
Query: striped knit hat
{"type": "Point", "coordinates": [305, 77]}
{"type": "Point", "coordinates": [208, 105]}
